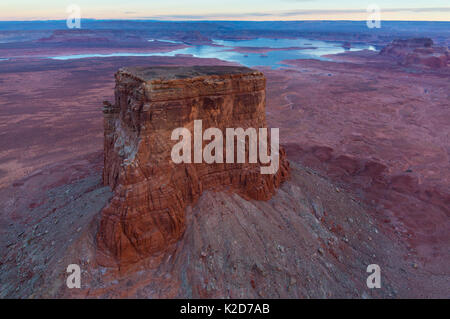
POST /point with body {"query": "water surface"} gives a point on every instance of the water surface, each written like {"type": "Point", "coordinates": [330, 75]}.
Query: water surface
{"type": "Point", "coordinates": [223, 50]}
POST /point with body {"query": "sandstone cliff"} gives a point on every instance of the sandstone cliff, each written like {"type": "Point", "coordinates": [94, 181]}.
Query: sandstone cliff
{"type": "Point", "coordinates": [151, 192]}
{"type": "Point", "coordinates": [418, 52]}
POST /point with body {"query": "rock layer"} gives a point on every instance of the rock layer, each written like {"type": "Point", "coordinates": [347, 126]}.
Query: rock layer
{"type": "Point", "coordinates": [151, 192]}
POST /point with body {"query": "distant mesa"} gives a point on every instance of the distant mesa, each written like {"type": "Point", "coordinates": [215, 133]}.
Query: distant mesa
{"type": "Point", "coordinates": [413, 43]}
{"type": "Point", "coordinates": [417, 52]}
{"type": "Point", "coordinates": [347, 45]}
{"type": "Point", "coordinates": [74, 36]}
{"type": "Point", "coordinates": [147, 211]}
{"type": "Point", "coordinates": [195, 38]}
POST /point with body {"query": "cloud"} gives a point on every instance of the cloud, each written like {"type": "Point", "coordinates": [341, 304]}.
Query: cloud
{"type": "Point", "coordinates": [290, 13]}
{"type": "Point", "coordinates": [307, 12]}
{"type": "Point", "coordinates": [211, 16]}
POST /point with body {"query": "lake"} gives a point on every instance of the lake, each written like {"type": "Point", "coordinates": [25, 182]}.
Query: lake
{"type": "Point", "coordinates": [222, 49]}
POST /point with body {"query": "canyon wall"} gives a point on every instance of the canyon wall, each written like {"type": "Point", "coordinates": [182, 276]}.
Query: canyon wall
{"type": "Point", "coordinates": [151, 192]}
{"type": "Point", "coordinates": [418, 52]}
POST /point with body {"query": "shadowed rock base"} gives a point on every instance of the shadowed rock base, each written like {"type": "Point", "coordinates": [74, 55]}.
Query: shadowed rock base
{"type": "Point", "coordinates": [151, 193]}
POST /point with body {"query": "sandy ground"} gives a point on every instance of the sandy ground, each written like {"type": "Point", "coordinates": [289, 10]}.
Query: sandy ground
{"type": "Point", "coordinates": [377, 133]}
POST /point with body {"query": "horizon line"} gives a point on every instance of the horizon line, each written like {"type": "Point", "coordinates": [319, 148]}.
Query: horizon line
{"type": "Point", "coordinates": [217, 20]}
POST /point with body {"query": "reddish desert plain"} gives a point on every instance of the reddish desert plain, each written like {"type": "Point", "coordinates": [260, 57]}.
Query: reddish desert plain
{"type": "Point", "coordinates": [367, 137]}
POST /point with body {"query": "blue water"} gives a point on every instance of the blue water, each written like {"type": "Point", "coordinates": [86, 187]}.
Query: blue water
{"type": "Point", "coordinates": [163, 40]}
{"type": "Point", "coordinates": [221, 50]}
{"type": "Point", "coordinates": [277, 43]}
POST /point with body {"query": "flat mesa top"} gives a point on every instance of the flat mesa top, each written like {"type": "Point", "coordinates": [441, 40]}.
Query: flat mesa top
{"type": "Point", "coordinates": [183, 72]}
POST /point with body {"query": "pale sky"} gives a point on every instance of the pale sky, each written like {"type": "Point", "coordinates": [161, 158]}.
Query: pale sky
{"type": "Point", "coordinates": [430, 10]}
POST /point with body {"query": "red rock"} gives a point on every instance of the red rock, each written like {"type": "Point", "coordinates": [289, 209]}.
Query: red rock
{"type": "Point", "coordinates": [418, 52]}
{"type": "Point", "coordinates": [147, 212]}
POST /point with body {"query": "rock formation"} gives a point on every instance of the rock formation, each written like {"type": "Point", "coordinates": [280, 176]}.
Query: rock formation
{"type": "Point", "coordinates": [418, 52]}
{"type": "Point", "coordinates": [151, 192]}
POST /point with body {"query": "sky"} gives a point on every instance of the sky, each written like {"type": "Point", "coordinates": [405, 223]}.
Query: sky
{"type": "Point", "coordinates": [256, 10]}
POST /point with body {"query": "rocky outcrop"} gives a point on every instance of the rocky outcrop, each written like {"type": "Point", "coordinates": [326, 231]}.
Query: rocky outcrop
{"type": "Point", "coordinates": [151, 192]}
{"type": "Point", "coordinates": [418, 52]}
